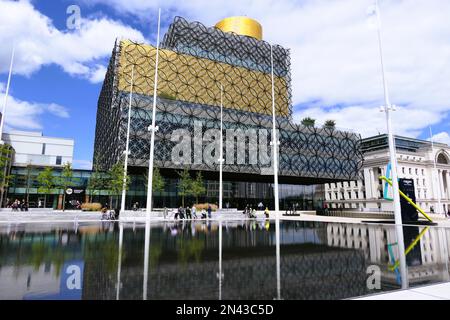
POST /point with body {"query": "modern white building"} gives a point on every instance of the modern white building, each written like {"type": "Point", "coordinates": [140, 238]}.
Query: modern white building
{"type": "Point", "coordinates": [416, 160]}
{"type": "Point", "coordinates": [33, 148]}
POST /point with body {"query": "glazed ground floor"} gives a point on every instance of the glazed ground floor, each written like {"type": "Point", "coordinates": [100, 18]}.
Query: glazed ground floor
{"type": "Point", "coordinates": [238, 191]}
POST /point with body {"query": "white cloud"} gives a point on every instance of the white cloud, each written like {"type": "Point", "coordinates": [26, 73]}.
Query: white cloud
{"type": "Point", "coordinates": [27, 115]}
{"type": "Point", "coordinates": [82, 164]}
{"type": "Point", "coordinates": [98, 74]}
{"type": "Point", "coordinates": [335, 58]}
{"type": "Point", "coordinates": [442, 137]}
{"type": "Point", "coordinates": [57, 110]}
{"type": "Point", "coordinates": [39, 43]}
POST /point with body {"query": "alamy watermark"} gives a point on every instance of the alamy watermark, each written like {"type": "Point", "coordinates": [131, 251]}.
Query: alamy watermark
{"type": "Point", "coordinates": [373, 281]}
{"type": "Point", "coordinates": [240, 147]}
{"type": "Point", "coordinates": [73, 21]}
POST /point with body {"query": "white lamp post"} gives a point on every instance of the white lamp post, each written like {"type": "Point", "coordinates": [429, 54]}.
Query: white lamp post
{"type": "Point", "coordinates": [274, 144]}
{"type": "Point", "coordinates": [274, 141]}
{"type": "Point", "coordinates": [153, 128]}
{"type": "Point", "coordinates": [221, 150]}
{"type": "Point", "coordinates": [127, 151]}
{"type": "Point", "coordinates": [6, 94]}
{"type": "Point", "coordinates": [393, 158]}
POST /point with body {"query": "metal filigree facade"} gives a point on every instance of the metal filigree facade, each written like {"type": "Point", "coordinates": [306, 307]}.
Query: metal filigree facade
{"type": "Point", "coordinates": [194, 62]}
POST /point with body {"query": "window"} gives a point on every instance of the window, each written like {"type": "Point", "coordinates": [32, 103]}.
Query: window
{"type": "Point", "coordinates": [423, 172]}
{"type": "Point", "coordinates": [410, 171]}
{"type": "Point", "coordinates": [43, 148]}
{"type": "Point", "coordinates": [58, 160]}
{"type": "Point", "coordinates": [349, 195]}
{"type": "Point", "coordinates": [417, 172]}
{"type": "Point", "coordinates": [403, 170]}
{"type": "Point", "coordinates": [356, 195]}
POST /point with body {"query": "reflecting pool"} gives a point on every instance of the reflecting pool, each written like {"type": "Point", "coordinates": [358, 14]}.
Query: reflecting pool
{"type": "Point", "coordinates": [215, 260]}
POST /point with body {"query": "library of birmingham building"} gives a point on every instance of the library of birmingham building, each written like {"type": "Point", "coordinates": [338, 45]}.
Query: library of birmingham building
{"type": "Point", "coordinates": [201, 68]}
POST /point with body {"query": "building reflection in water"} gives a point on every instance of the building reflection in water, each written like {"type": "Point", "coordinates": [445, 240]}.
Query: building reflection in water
{"type": "Point", "coordinates": [212, 260]}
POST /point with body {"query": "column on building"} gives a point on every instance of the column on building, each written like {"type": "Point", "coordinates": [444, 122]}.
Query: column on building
{"type": "Point", "coordinates": [368, 183]}
{"type": "Point", "coordinates": [441, 184]}
{"type": "Point", "coordinates": [448, 184]}
{"type": "Point", "coordinates": [372, 183]}
{"type": "Point", "coordinates": [434, 184]}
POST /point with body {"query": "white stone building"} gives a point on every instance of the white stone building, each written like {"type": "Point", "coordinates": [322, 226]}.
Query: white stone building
{"type": "Point", "coordinates": [430, 250]}
{"type": "Point", "coordinates": [416, 160]}
{"type": "Point", "coordinates": [33, 148]}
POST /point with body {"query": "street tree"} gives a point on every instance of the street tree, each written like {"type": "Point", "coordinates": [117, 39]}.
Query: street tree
{"type": "Point", "coordinates": [184, 185]}
{"type": "Point", "coordinates": [198, 186]}
{"type": "Point", "coordinates": [116, 181]}
{"type": "Point", "coordinates": [46, 182]}
{"type": "Point", "coordinates": [64, 181]}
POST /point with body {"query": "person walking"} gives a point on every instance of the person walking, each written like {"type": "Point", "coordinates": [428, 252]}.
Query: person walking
{"type": "Point", "coordinates": [209, 211]}
{"type": "Point", "coordinates": [193, 211]}
{"type": "Point", "coordinates": [260, 206]}
{"type": "Point", "coordinates": [188, 213]}
{"type": "Point", "coordinates": [179, 213]}
{"type": "Point", "coordinates": [266, 213]}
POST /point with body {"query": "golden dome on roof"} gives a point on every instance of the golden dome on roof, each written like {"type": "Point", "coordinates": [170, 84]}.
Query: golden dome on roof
{"type": "Point", "coordinates": [243, 26]}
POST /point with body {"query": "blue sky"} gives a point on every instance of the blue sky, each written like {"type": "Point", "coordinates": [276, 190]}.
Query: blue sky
{"type": "Point", "coordinates": [335, 64]}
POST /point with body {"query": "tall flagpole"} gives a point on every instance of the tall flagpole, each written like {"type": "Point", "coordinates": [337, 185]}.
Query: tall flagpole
{"type": "Point", "coordinates": [127, 151]}
{"type": "Point", "coordinates": [221, 150]}
{"type": "Point", "coordinates": [153, 127]}
{"type": "Point", "coordinates": [393, 159]}
{"type": "Point", "coordinates": [437, 173]}
{"type": "Point", "coordinates": [6, 94]}
{"type": "Point", "coordinates": [274, 144]}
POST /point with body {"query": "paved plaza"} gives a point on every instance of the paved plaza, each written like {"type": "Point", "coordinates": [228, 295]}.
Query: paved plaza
{"type": "Point", "coordinates": [48, 215]}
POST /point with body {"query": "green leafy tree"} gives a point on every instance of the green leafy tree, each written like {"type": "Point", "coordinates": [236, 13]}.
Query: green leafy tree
{"type": "Point", "coordinates": [157, 182]}
{"type": "Point", "coordinates": [330, 124]}
{"type": "Point", "coordinates": [184, 185]}
{"type": "Point", "coordinates": [5, 159]}
{"type": "Point", "coordinates": [308, 122]}
{"type": "Point", "coordinates": [46, 182]}
{"type": "Point", "coordinates": [65, 181]}
{"type": "Point", "coordinates": [95, 184]}
{"type": "Point", "coordinates": [198, 186]}
{"type": "Point", "coordinates": [116, 181]}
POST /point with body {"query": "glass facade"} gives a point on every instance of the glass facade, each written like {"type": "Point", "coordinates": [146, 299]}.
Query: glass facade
{"type": "Point", "coordinates": [236, 194]}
